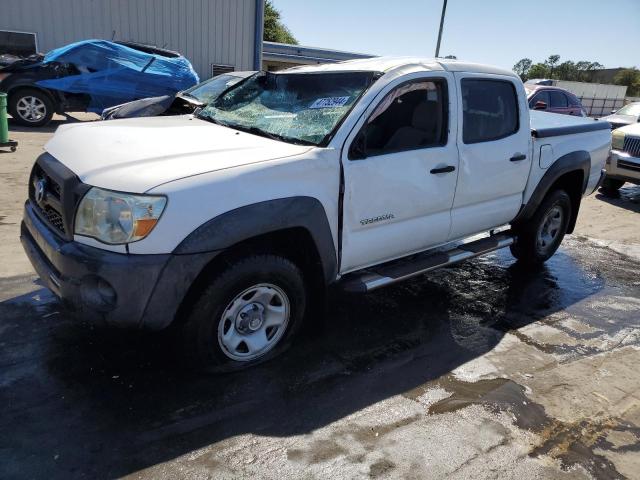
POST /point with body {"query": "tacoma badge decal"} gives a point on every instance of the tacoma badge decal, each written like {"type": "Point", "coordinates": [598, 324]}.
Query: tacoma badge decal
{"type": "Point", "coordinates": [380, 218]}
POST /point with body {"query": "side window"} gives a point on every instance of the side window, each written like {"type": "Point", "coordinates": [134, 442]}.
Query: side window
{"type": "Point", "coordinates": [411, 116]}
{"type": "Point", "coordinates": [574, 102]}
{"type": "Point", "coordinates": [539, 97]}
{"type": "Point", "coordinates": [558, 100]}
{"type": "Point", "coordinates": [490, 110]}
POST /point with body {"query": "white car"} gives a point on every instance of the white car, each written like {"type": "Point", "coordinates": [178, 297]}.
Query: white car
{"type": "Point", "coordinates": [623, 165]}
{"type": "Point", "coordinates": [235, 221]}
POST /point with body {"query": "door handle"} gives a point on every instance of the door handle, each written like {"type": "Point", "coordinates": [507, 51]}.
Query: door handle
{"type": "Point", "coordinates": [517, 157]}
{"type": "Point", "coordinates": [447, 169]}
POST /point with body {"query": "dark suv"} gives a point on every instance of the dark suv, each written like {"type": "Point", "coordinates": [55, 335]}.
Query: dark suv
{"type": "Point", "coordinates": [101, 80]}
{"type": "Point", "coordinates": [554, 100]}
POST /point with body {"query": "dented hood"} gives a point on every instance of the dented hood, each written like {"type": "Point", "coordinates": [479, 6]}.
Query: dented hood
{"type": "Point", "coordinates": [135, 155]}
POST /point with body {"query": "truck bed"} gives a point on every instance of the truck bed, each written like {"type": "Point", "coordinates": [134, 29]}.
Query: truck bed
{"type": "Point", "coordinates": [545, 124]}
{"type": "Point", "coordinates": [555, 135]}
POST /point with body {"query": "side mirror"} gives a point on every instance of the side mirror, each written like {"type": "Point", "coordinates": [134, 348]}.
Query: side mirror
{"type": "Point", "coordinates": [540, 105]}
{"type": "Point", "coordinates": [613, 112]}
{"type": "Point", "coordinates": [358, 149]}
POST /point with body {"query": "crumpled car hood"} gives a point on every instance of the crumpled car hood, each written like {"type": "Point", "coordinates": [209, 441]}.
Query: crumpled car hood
{"type": "Point", "coordinates": [137, 154]}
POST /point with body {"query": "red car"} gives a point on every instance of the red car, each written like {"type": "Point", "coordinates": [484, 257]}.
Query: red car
{"type": "Point", "coordinates": [554, 99]}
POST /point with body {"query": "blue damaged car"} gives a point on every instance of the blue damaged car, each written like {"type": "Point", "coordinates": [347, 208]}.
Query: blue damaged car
{"type": "Point", "coordinates": [89, 76]}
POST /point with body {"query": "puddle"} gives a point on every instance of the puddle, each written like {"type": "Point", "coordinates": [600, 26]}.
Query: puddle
{"type": "Point", "coordinates": [571, 443]}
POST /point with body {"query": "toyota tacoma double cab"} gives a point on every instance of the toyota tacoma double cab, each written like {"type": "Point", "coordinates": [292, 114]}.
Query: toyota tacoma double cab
{"type": "Point", "coordinates": [228, 224]}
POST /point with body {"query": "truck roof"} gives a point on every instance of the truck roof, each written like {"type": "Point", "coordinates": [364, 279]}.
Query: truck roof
{"type": "Point", "coordinates": [386, 64]}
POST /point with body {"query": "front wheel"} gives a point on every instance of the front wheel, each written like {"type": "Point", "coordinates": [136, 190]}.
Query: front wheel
{"type": "Point", "coordinates": [247, 314]}
{"type": "Point", "coordinates": [31, 107]}
{"type": "Point", "coordinates": [540, 237]}
{"type": "Point", "coordinates": [610, 186]}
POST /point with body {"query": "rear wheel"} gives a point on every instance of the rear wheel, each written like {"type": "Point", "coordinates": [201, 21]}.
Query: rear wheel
{"type": "Point", "coordinates": [247, 314]}
{"type": "Point", "coordinates": [541, 236]}
{"type": "Point", "coordinates": [31, 107]}
{"type": "Point", "coordinates": [610, 186]}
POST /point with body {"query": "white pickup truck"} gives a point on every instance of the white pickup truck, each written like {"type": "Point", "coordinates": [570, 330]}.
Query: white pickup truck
{"type": "Point", "coordinates": [232, 222]}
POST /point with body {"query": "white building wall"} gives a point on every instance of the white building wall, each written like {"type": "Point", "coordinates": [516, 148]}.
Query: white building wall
{"type": "Point", "coordinates": [205, 31]}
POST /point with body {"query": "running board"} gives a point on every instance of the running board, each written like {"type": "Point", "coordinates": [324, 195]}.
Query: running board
{"type": "Point", "coordinates": [392, 272]}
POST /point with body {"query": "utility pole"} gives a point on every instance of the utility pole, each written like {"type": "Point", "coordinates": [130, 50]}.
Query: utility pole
{"type": "Point", "coordinates": [444, 9]}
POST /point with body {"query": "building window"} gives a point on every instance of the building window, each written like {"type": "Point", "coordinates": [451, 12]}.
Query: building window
{"type": "Point", "coordinates": [17, 43]}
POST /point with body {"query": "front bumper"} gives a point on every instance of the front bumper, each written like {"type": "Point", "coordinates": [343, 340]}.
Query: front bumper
{"type": "Point", "coordinates": [623, 166]}
{"type": "Point", "coordinates": [140, 291]}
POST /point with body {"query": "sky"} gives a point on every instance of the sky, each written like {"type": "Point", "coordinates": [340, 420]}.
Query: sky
{"type": "Point", "coordinates": [497, 32]}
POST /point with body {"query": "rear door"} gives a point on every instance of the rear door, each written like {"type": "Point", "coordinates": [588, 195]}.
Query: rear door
{"type": "Point", "coordinates": [400, 164]}
{"type": "Point", "coordinates": [495, 159]}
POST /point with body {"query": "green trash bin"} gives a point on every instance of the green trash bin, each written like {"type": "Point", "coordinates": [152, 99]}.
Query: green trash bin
{"type": "Point", "coordinates": [4, 125]}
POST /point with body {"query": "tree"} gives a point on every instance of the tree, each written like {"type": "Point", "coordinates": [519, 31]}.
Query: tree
{"type": "Point", "coordinates": [274, 29]}
{"type": "Point", "coordinates": [551, 62]}
{"type": "Point", "coordinates": [539, 70]}
{"type": "Point", "coordinates": [631, 78]}
{"type": "Point", "coordinates": [552, 68]}
{"type": "Point", "coordinates": [567, 71]}
{"type": "Point", "coordinates": [522, 68]}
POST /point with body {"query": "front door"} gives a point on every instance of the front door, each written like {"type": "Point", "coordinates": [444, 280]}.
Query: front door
{"type": "Point", "coordinates": [400, 164]}
{"type": "Point", "coordinates": [493, 141]}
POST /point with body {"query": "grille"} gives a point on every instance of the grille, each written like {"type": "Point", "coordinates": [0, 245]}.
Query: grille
{"type": "Point", "coordinates": [53, 187]}
{"type": "Point", "coordinates": [54, 217]}
{"type": "Point", "coordinates": [53, 190]}
{"type": "Point", "coordinates": [629, 165]}
{"type": "Point", "coordinates": [632, 146]}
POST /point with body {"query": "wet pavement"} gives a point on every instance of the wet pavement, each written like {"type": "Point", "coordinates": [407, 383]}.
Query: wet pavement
{"type": "Point", "coordinates": [481, 370]}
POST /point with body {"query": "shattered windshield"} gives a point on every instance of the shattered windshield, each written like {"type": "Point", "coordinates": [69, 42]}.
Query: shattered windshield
{"type": "Point", "coordinates": [209, 90]}
{"type": "Point", "coordinates": [293, 107]}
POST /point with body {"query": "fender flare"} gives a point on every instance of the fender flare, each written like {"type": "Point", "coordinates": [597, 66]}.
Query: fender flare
{"type": "Point", "coordinates": [579, 160]}
{"type": "Point", "coordinates": [243, 223]}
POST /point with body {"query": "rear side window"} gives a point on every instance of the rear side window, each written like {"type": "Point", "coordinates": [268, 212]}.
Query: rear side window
{"type": "Point", "coordinates": [490, 110]}
{"type": "Point", "coordinates": [558, 100]}
{"type": "Point", "coordinates": [574, 101]}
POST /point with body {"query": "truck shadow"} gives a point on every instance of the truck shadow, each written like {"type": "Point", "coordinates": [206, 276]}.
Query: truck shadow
{"type": "Point", "coordinates": [106, 403]}
{"type": "Point", "coordinates": [628, 197]}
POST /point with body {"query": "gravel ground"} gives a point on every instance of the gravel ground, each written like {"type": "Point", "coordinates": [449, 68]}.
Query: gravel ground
{"type": "Point", "coordinates": [482, 370]}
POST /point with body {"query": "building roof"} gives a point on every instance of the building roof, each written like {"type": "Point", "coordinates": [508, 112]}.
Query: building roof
{"type": "Point", "coordinates": [386, 64]}
{"type": "Point", "coordinates": [283, 52]}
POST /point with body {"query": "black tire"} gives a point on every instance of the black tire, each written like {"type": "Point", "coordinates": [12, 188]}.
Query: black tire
{"type": "Point", "coordinates": [200, 332]}
{"type": "Point", "coordinates": [610, 186]}
{"type": "Point", "coordinates": [532, 247]}
{"type": "Point", "coordinates": [43, 100]}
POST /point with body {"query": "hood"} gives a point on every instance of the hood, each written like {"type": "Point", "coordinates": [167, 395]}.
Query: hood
{"type": "Point", "coordinates": [632, 129]}
{"type": "Point", "coordinates": [137, 154]}
{"type": "Point", "coordinates": [620, 119]}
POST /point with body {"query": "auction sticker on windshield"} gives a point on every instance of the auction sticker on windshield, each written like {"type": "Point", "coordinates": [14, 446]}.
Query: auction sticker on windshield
{"type": "Point", "coordinates": [330, 102]}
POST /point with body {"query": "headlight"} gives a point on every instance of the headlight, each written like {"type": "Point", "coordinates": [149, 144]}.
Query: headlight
{"type": "Point", "coordinates": [617, 140]}
{"type": "Point", "coordinates": [116, 218]}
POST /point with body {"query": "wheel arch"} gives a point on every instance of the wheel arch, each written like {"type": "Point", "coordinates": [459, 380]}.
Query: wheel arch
{"type": "Point", "coordinates": [30, 86]}
{"type": "Point", "coordinates": [570, 173]}
{"type": "Point", "coordinates": [301, 214]}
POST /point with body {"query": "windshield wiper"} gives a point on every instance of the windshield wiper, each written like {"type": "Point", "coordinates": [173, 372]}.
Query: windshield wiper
{"type": "Point", "coordinates": [202, 116]}
{"type": "Point", "coordinates": [257, 131]}
{"type": "Point", "coordinates": [272, 136]}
